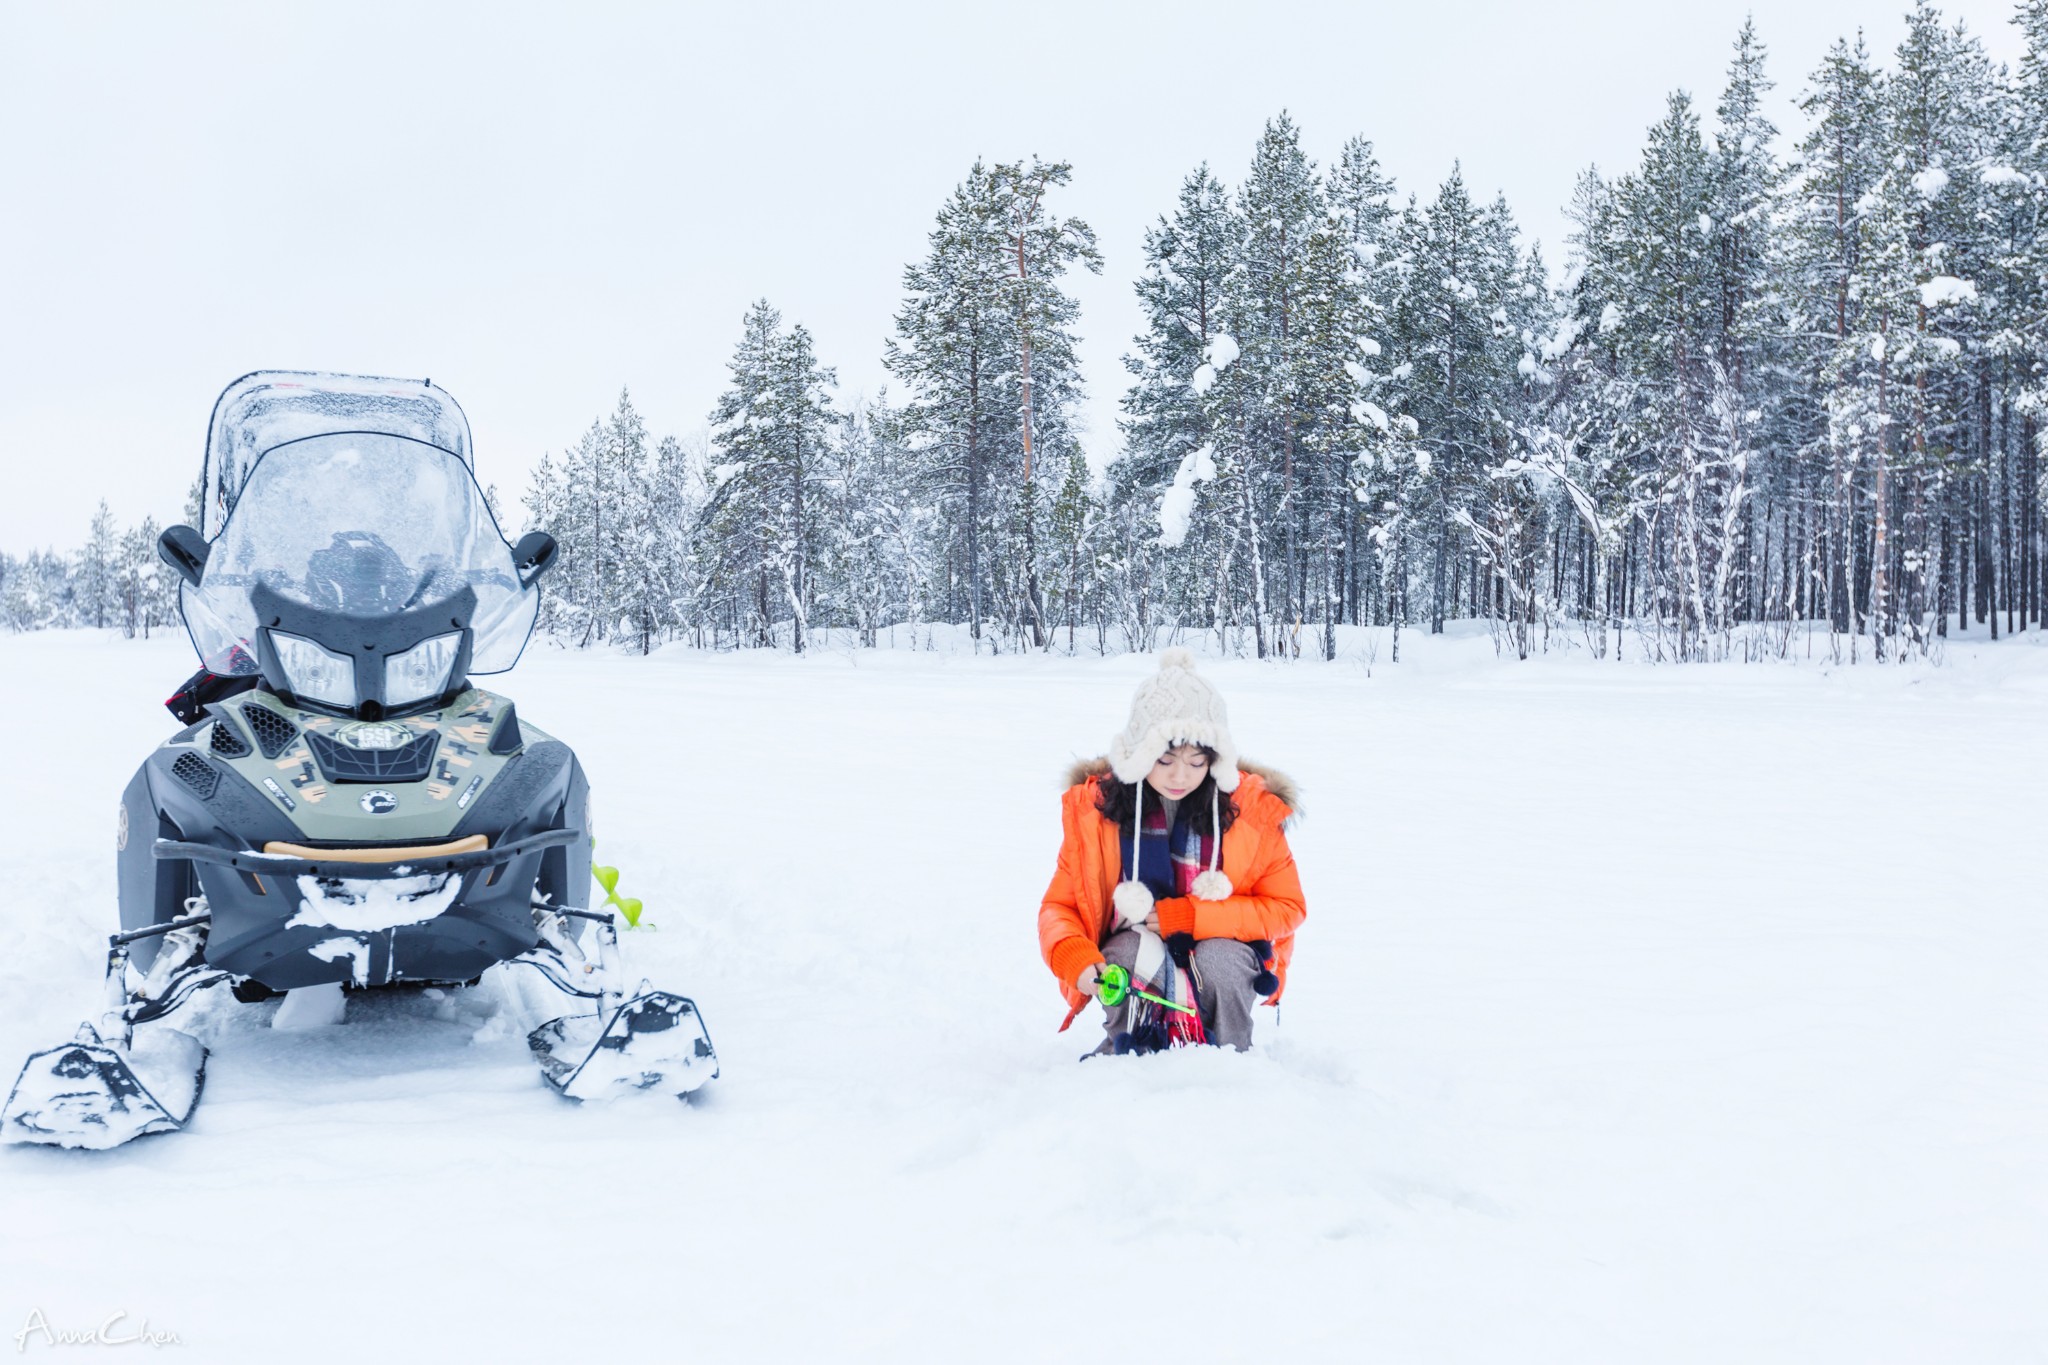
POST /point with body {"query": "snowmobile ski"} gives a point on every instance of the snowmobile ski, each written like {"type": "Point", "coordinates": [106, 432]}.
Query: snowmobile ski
{"type": "Point", "coordinates": [89, 1093]}
{"type": "Point", "coordinates": [654, 1041]}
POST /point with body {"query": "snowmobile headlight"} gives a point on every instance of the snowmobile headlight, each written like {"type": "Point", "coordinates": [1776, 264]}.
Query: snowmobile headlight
{"type": "Point", "coordinates": [421, 671]}
{"type": "Point", "coordinates": [315, 673]}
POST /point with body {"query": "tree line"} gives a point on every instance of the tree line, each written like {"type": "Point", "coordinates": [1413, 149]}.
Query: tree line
{"type": "Point", "coordinates": [1781, 387]}
{"type": "Point", "coordinates": [115, 581]}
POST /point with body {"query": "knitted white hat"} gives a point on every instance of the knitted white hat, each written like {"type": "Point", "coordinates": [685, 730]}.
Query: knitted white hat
{"type": "Point", "coordinates": [1175, 706]}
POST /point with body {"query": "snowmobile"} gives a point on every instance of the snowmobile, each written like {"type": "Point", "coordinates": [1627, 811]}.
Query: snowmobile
{"type": "Point", "coordinates": [344, 807]}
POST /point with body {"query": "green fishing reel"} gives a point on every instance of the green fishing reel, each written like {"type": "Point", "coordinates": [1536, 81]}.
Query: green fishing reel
{"type": "Point", "coordinates": [1116, 987]}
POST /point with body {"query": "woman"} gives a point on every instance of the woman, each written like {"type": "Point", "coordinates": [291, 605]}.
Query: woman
{"type": "Point", "coordinates": [1175, 869]}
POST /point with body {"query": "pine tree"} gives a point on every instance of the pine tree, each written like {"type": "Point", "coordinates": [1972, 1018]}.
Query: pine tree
{"type": "Point", "coordinates": [1660, 307]}
{"type": "Point", "coordinates": [1361, 198]}
{"type": "Point", "coordinates": [1923, 283]}
{"type": "Point", "coordinates": [875, 558]}
{"type": "Point", "coordinates": [1041, 248]}
{"type": "Point", "coordinates": [1072, 527]}
{"type": "Point", "coordinates": [1839, 160]}
{"type": "Point", "coordinates": [99, 572]}
{"type": "Point", "coordinates": [1282, 208]}
{"type": "Point", "coordinates": [770, 434]}
{"type": "Point", "coordinates": [1169, 418]}
{"type": "Point", "coordinates": [953, 341]}
{"type": "Point", "coordinates": [1335, 424]}
{"type": "Point", "coordinates": [571, 503]}
{"type": "Point", "coordinates": [674, 563]}
{"type": "Point", "coordinates": [1746, 182]}
{"type": "Point", "coordinates": [143, 582]}
{"type": "Point", "coordinates": [1454, 335]}
{"type": "Point", "coordinates": [634, 595]}
{"type": "Point", "coordinates": [984, 343]}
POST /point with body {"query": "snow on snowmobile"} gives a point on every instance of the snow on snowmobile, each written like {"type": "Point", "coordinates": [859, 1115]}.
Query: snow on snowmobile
{"type": "Point", "coordinates": [344, 807]}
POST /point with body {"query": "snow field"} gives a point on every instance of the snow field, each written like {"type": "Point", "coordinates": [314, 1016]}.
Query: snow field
{"type": "Point", "coordinates": [1674, 1014]}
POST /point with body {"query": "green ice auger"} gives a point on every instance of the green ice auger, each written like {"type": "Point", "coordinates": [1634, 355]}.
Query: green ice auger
{"type": "Point", "coordinates": [1116, 984]}
{"type": "Point", "coordinates": [629, 906]}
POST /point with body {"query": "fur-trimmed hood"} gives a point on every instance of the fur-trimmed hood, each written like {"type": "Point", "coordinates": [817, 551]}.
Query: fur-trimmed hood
{"type": "Point", "coordinates": [1277, 782]}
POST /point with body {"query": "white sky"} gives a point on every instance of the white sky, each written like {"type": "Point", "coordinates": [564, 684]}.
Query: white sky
{"type": "Point", "coordinates": [535, 205]}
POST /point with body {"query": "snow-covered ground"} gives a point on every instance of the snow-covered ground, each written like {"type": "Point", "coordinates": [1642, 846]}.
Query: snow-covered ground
{"type": "Point", "coordinates": [1642, 1015]}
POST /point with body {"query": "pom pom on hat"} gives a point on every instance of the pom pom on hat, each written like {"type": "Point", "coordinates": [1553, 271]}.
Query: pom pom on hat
{"type": "Point", "coordinates": [1174, 706]}
{"type": "Point", "coordinates": [1214, 886]}
{"type": "Point", "coordinates": [1132, 902]}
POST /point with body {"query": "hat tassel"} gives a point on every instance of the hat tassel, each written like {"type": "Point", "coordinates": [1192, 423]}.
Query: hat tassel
{"type": "Point", "coordinates": [1211, 884]}
{"type": "Point", "coordinates": [1132, 899]}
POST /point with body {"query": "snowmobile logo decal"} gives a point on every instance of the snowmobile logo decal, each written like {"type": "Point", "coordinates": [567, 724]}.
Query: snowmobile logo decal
{"type": "Point", "coordinates": [379, 802]}
{"type": "Point", "coordinates": [278, 792]}
{"type": "Point", "coordinates": [468, 792]}
{"type": "Point", "coordinates": [374, 735]}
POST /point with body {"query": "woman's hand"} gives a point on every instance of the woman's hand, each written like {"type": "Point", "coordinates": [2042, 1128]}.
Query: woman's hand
{"type": "Point", "coordinates": [1089, 982]}
{"type": "Point", "coordinates": [1152, 920]}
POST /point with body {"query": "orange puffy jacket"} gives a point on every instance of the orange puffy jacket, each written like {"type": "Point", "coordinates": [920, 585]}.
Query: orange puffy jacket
{"type": "Point", "coordinates": [1265, 902]}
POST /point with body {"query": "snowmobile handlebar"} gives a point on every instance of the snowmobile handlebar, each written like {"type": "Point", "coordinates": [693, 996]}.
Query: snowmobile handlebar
{"type": "Point", "coordinates": [245, 860]}
{"type": "Point", "coordinates": [157, 930]}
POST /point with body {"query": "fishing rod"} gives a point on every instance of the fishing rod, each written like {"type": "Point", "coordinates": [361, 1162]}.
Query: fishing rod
{"type": "Point", "coordinates": [1116, 985]}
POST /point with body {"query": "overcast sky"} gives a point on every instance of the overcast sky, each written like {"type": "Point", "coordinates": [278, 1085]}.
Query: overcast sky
{"type": "Point", "coordinates": [535, 205]}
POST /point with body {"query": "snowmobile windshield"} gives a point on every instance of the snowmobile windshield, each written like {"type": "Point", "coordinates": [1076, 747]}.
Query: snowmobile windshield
{"type": "Point", "coordinates": [364, 525]}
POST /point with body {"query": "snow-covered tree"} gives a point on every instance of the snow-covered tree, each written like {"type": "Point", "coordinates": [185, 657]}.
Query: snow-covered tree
{"type": "Point", "coordinates": [984, 344]}
{"type": "Point", "coordinates": [770, 480]}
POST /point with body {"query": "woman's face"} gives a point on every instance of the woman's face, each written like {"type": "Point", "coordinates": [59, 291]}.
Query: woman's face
{"type": "Point", "coordinates": [1179, 771]}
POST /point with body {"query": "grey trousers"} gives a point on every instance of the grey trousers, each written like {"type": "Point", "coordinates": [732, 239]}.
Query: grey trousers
{"type": "Point", "coordinates": [1226, 968]}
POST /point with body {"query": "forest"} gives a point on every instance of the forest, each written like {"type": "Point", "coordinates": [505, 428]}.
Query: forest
{"type": "Point", "coordinates": [1781, 385]}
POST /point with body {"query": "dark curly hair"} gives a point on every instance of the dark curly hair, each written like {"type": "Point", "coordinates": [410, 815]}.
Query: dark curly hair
{"type": "Point", "coordinates": [1117, 801]}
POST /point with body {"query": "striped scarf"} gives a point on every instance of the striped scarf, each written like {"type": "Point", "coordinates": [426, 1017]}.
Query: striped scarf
{"type": "Point", "coordinates": [1169, 860]}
